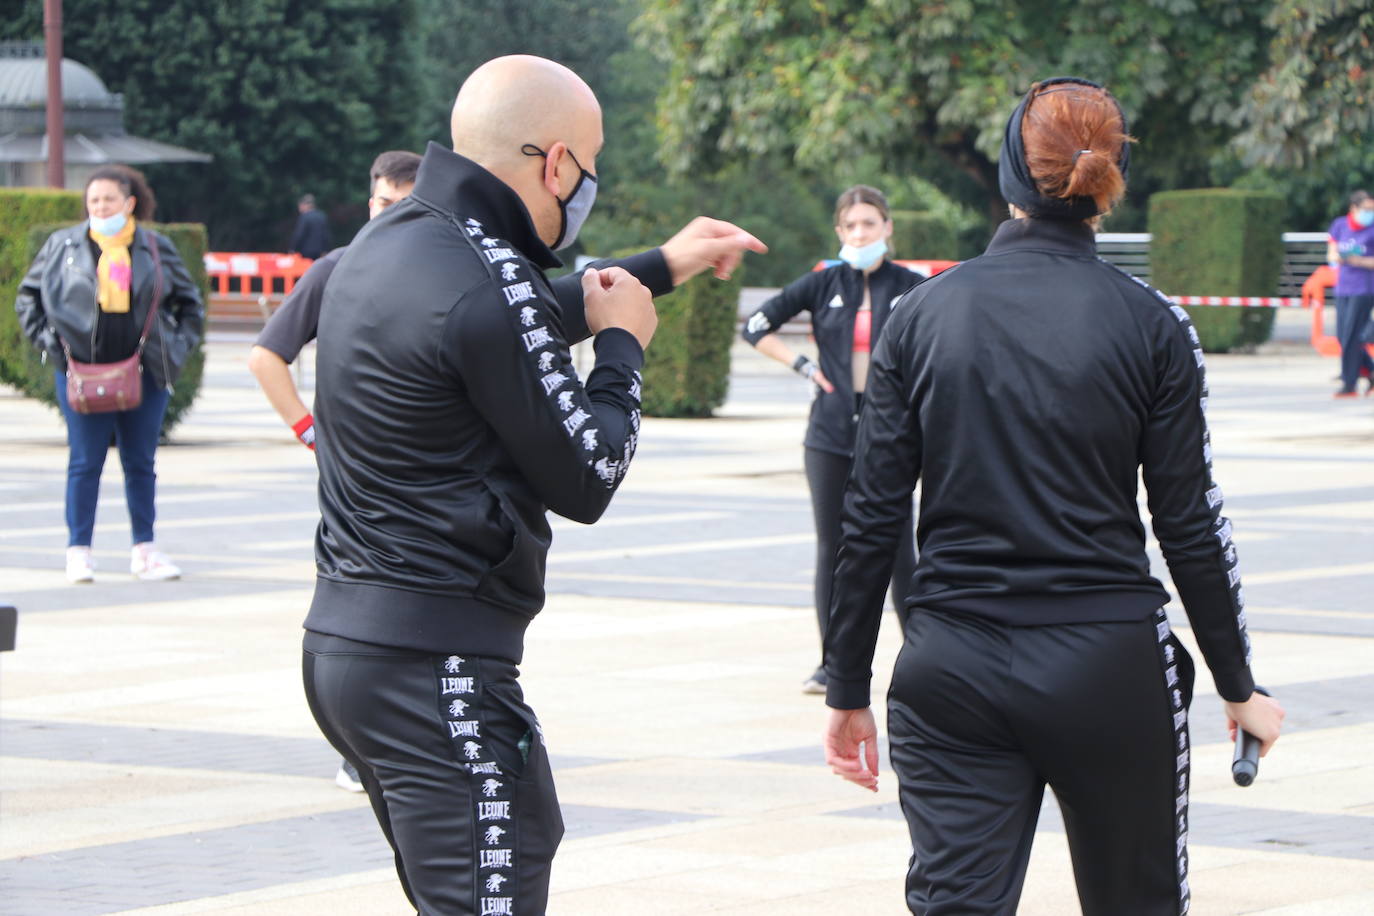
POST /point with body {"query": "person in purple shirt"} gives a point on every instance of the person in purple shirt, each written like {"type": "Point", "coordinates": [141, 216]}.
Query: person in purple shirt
{"type": "Point", "coordinates": [1350, 249]}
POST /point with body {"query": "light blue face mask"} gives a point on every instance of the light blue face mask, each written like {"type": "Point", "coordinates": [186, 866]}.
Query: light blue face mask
{"type": "Point", "coordinates": [1364, 217]}
{"type": "Point", "coordinates": [109, 225]}
{"type": "Point", "coordinates": [577, 207]}
{"type": "Point", "coordinates": [865, 257]}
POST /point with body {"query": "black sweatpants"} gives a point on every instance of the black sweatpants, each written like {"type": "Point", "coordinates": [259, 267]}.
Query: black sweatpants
{"type": "Point", "coordinates": [826, 474]}
{"type": "Point", "coordinates": [455, 767]}
{"type": "Point", "coordinates": [981, 716]}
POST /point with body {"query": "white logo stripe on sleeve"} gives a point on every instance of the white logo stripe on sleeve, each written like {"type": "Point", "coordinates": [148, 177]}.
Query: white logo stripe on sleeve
{"type": "Point", "coordinates": [549, 359]}
{"type": "Point", "coordinates": [1221, 526]}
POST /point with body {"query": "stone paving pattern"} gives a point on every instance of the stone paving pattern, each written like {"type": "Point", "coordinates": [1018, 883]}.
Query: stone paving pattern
{"type": "Point", "coordinates": [156, 754]}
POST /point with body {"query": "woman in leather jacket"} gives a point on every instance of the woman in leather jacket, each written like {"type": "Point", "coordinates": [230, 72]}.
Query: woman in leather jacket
{"type": "Point", "coordinates": [90, 289]}
{"type": "Point", "coordinates": [849, 304]}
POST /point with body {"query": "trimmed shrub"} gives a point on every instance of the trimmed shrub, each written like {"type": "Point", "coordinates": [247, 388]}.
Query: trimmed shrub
{"type": "Point", "coordinates": [923, 235]}
{"type": "Point", "coordinates": [687, 367]}
{"type": "Point", "coordinates": [1219, 242]}
{"type": "Point", "coordinates": [20, 210]}
{"type": "Point", "coordinates": [21, 365]}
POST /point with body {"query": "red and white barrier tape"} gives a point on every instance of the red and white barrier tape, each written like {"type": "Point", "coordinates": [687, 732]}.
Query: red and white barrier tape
{"type": "Point", "coordinates": [1272, 302]}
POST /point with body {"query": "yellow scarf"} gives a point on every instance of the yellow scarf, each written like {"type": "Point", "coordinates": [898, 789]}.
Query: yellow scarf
{"type": "Point", "coordinates": [114, 271]}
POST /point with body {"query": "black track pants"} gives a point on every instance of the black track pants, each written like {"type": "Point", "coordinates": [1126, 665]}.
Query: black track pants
{"type": "Point", "coordinates": [982, 716]}
{"type": "Point", "coordinates": [454, 764]}
{"type": "Point", "coordinates": [826, 474]}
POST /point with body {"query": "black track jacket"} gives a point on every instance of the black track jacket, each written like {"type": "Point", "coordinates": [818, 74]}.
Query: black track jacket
{"type": "Point", "coordinates": [450, 419]}
{"type": "Point", "coordinates": [833, 295]}
{"type": "Point", "coordinates": [1026, 388]}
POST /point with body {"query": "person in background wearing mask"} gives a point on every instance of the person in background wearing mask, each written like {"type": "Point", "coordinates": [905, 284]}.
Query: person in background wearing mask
{"type": "Point", "coordinates": [849, 304]}
{"type": "Point", "coordinates": [1350, 249]}
{"type": "Point", "coordinates": [88, 296]}
{"type": "Point", "coordinates": [1030, 389]}
{"type": "Point", "coordinates": [450, 421]}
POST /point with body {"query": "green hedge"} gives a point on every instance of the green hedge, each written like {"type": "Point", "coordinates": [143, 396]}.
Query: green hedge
{"type": "Point", "coordinates": [687, 367]}
{"type": "Point", "coordinates": [1219, 242]}
{"type": "Point", "coordinates": [923, 235]}
{"type": "Point", "coordinates": [21, 209]}
{"type": "Point", "coordinates": [20, 241]}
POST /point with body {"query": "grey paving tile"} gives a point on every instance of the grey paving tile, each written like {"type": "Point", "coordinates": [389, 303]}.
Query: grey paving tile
{"type": "Point", "coordinates": [115, 587]}
{"type": "Point", "coordinates": [1232, 826]}
{"type": "Point", "coordinates": [104, 879]}
{"type": "Point", "coordinates": [165, 747]}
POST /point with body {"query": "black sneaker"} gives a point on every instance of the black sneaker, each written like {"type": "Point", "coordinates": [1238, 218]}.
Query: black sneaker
{"type": "Point", "coordinates": [815, 683]}
{"type": "Point", "coordinates": [347, 778]}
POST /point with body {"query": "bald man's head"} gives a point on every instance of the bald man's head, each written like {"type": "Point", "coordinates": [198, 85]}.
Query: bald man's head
{"type": "Point", "coordinates": [519, 100]}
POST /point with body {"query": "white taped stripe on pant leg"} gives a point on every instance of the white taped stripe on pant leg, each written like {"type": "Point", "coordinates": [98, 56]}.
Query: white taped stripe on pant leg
{"type": "Point", "coordinates": [493, 795]}
{"type": "Point", "coordinates": [1179, 715]}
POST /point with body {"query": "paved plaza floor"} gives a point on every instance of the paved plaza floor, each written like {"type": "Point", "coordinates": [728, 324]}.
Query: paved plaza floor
{"type": "Point", "coordinates": [157, 756]}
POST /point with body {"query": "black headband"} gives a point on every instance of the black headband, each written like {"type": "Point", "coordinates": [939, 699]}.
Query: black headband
{"type": "Point", "coordinates": [1014, 177]}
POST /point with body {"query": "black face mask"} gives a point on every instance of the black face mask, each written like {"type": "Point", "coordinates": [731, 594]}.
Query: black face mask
{"type": "Point", "coordinates": [1013, 175]}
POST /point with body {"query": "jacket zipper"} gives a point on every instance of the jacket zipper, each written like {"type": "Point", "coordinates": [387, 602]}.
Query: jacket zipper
{"type": "Point", "coordinates": [95, 309]}
{"type": "Point", "coordinates": [161, 337]}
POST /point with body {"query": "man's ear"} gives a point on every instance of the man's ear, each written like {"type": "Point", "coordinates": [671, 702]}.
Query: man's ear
{"type": "Point", "coordinates": [556, 153]}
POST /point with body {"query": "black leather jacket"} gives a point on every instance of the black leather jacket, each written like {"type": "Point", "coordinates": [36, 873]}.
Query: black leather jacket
{"type": "Point", "coordinates": [450, 419]}
{"type": "Point", "coordinates": [57, 298]}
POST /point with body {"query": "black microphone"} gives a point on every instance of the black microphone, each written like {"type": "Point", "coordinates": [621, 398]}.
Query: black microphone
{"type": "Point", "coordinates": [1245, 763]}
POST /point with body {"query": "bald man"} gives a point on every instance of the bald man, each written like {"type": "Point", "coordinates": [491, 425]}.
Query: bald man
{"type": "Point", "coordinates": [450, 420]}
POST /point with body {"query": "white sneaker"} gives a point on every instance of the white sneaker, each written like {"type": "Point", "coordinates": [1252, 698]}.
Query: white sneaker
{"type": "Point", "coordinates": [80, 565]}
{"type": "Point", "coordinates": [347, 778]}
{"type": "Point", "coordinates": [151, 564]}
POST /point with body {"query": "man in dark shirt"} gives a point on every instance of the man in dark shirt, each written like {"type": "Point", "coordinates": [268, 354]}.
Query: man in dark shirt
{"type": "Point", "coordinates": [293, 325]}
{"type": "Point", "coordinates": [311, 238]}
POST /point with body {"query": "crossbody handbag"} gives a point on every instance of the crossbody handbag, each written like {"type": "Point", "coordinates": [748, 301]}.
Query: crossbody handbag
{"type": "Point", "coordinates": [107, 387]}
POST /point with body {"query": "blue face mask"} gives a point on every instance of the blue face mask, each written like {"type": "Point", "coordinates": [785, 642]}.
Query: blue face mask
{"type": "Point", "coordinates": [109, 225]}
{"type": "Point", "coordinates": [577, 207]}
{"type": "Point", "coordinates": [1364, 217]}
{"type": "Point", "coordinates": [865, 257]}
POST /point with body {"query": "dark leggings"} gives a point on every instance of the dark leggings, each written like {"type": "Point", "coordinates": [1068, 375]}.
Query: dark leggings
{"type": "Point", "coordinates": [981, 716]}
{"type": "Point", "coordinates": [826, 474]}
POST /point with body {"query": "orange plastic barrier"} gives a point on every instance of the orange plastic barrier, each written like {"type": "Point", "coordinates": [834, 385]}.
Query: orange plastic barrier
{"type": "Point", "coordinates": [258, 274]}
{"type": "Point", "coordinates": [1314, 297]}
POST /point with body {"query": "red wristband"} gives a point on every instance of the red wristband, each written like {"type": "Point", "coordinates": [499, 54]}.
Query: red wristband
{"type": "Point", "coordinates": [304, 428]}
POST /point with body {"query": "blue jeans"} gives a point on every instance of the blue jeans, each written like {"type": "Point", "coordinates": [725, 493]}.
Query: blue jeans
{"type": "Point", "coordinates": [88, 441]}
{"type": "Point", "coordinates": [1352, 319]}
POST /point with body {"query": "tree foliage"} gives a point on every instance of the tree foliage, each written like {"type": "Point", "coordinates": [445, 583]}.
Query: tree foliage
{"type": "Point", "coordinates": [927, 87]}
{"type": "Point", "coordinates": [288, 96]}
{"type": "Point", "coordinates": [457, 37]}
{"type": "Point", "coordinates": [1318, 91]}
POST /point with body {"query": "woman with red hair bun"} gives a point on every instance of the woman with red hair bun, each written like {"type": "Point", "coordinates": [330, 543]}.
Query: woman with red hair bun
{"type": "Point", "coordinates": [1028, 390]}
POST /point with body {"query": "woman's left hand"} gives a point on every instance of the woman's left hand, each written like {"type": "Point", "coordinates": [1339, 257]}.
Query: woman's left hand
{"type": "Point", "coordinates": [851, 746]}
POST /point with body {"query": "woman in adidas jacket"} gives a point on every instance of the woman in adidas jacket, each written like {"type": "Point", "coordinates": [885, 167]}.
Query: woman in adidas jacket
{"type": "Point", "coordinates": [849, 304]}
